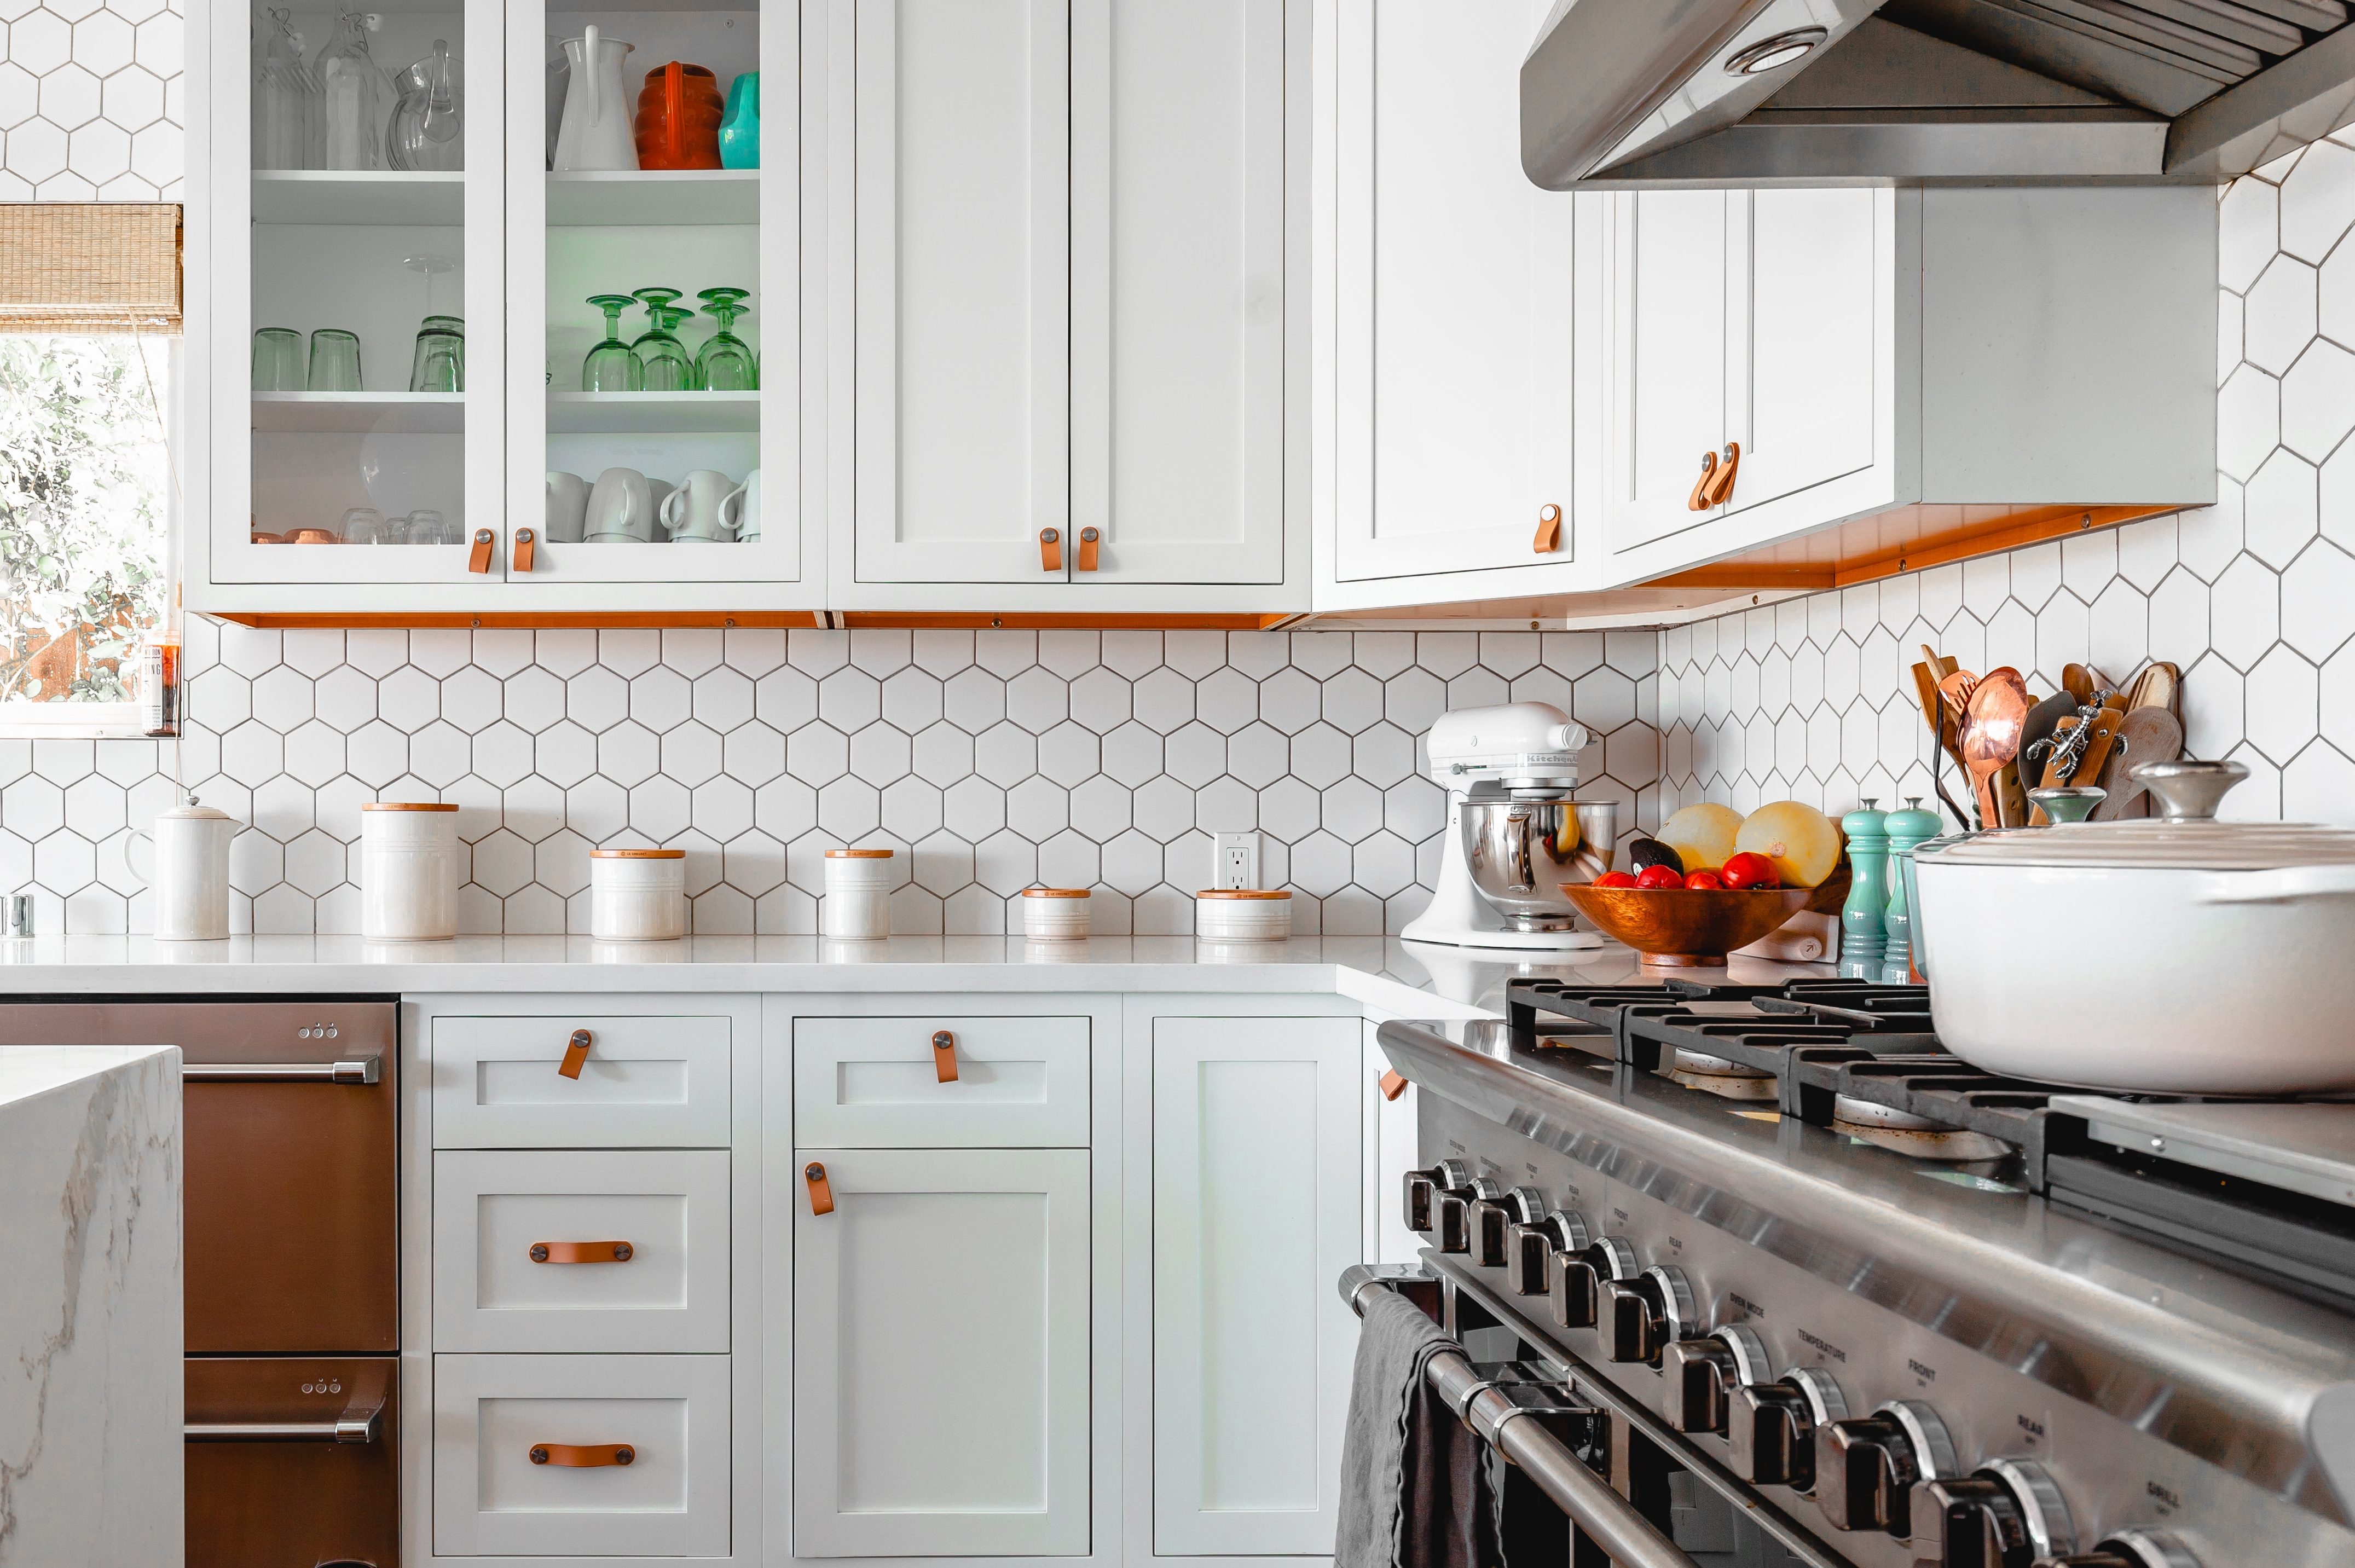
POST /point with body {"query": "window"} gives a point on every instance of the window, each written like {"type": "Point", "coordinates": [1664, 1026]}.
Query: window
{"type": "Point", "coordinates": [89, 313]}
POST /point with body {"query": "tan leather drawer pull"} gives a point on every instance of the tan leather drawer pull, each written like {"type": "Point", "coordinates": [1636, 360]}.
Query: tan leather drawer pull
{"type": "Point", "coordinates": [1698, 500]}
{"type": "Point", "coordinates": [1548, 538]}
{"type": "Point", "coordinates": [1392, 1084]}
{"type": "Point", "coordinates": [576, 1052]}
{"type": "Point", "coordinates": [945, 1056]}
{"type": "Point", "coordinates": [1719, 490]}
{"type": "Point", "coordinates": [1050, 550]}
{"type": "Point", "coordinates": [1088, 537]}
{"type": "Point", "coordinates": [525, 539]}
{"type": "Point", "coordinates": [583, 1455]}
{"type": "Point", "coordinates": [582, 1252]}
{"type": "Point", "coordinates": [821, 1190]}
{"type": "Point", "coordinates": [479, 557]}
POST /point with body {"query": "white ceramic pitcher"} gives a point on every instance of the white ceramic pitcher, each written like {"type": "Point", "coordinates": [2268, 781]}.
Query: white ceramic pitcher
{"type": "Point", "coordinates": [595, 133]}
{"type": "Point", "coordinates": [189, 880]}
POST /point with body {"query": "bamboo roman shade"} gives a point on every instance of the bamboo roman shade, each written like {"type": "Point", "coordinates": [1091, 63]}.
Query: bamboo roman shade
{"type": "Point", "coordinates": [90, 266]}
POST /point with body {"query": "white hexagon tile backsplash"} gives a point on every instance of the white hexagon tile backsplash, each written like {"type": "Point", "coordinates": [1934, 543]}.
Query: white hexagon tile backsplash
{"type": "Point", "coordinates": [90, 100]}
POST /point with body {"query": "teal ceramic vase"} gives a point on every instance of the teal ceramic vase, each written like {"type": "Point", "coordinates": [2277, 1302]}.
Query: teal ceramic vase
{"type": "Point", "coordinates": [740, 131]}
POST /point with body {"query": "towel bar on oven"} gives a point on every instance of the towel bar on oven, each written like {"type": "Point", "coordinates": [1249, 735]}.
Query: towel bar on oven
{"type": "Point", "coordinates": [1602, 1515]}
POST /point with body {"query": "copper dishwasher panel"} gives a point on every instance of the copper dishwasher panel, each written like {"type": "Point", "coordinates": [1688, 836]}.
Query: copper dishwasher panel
{"type": "Point", "coordinates": [293, 1504]}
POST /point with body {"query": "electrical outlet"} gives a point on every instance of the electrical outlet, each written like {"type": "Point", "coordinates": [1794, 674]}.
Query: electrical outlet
{"type": "Point", "coordinates": [1237, 861]}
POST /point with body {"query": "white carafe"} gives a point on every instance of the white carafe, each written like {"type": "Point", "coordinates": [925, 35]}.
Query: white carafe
{"type": "Point", "coordinates": [189, 886]}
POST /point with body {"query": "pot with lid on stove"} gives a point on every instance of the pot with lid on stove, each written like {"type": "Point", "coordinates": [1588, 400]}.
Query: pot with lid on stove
{"type": "Point", "coordinates": [2173, 955]}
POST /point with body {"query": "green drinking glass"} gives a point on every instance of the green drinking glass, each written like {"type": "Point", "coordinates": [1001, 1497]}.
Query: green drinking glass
{"type": "Point", "coordinates": [726, 363]}
{"type": "Point", "coordinates": [668, 366]}
{"type": "Point", "coordinates": [611, 365]}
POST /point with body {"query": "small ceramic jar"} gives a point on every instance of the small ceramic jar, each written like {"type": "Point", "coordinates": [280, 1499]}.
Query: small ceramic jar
{"type": "Point", "coordinates": [637, 895]}
{"type": "Point", "coordinates": [1055, 914]}
{"type": "Point", "coordinates": [1242, 914]}
{"type": "Point", "coordinates": [858, 906]}
{"type": "Point", "coordinates": [409, 871]}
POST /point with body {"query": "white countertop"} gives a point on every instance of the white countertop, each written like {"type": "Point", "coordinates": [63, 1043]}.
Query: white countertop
{"type": "Point", "coordinates": [29, 1072]}
{"type": "Point", "coordinates": [1387, 975]}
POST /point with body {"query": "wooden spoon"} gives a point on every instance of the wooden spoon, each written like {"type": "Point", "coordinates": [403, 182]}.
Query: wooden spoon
{"type": "Point", "coordinates": [2144, 735]}
{"type": "Point", "coordinates": [1942, 734]}
{"type": "Point", "coordinates": [1997, 710]}
{"type": "Point", "coordinates": [2160, 685]}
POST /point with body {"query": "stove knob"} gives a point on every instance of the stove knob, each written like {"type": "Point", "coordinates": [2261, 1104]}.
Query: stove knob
{"type": "Point", "coordinates": [1454, 1208]}
{"type": "Point", "coordinates": [2129, 1549]}
{"type": "Point", "coordinates": [1771, 1427]}
{"type": "Point", "coordinates": [1492, 1217]}
{"type": "Point", "coordinates": [1424, 1187]}
{"type": "Point", "coordinates": [1866, 1468]}
{"type": "Point", "coordinates": [1529, 1249]}
{"type": "Point", "coordinates": [1704, 1373]}
{"type": "Point", "coordinates": [1641, 1315]}
{"type": "Point", "coordinates": [1575, 1280]}
{"type": "Point", "coordinates": [2007, 1515]}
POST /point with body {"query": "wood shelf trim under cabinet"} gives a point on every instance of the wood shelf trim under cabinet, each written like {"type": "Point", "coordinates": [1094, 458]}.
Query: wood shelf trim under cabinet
{"type": "Point", "coordinates": [527, 620]}
{"type": "Point", "coordinates": [1906, 539]}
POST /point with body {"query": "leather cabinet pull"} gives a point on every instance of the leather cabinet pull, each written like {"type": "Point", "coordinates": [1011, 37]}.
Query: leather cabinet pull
{"type": "Point", "coordinates": [945, 1056]}
{"type": "Point", "coordinates": [1719, 488]}
{"type": "Point", "coordinates": [1392, 1084]}
{"type": "Point", "coordinates": [1088, 541]}
{"type": "Point", "coordinates": [1698, 500]}
{"type": "Point", "coordinates": [525, 539]}
{"type": "Point", "coordinates": [1548, 538]}
{"type": "Point", "coordinates": [1050, 550]}
{"type": "Point", "coordinates": [583, 1455]}
{"type": "Point", "coordinates": [576, 1052]}
{"type": "Point", "coordinates": [821, 1190]}
{"type": "Point", "coordinates": [581, 1252]}
{"type": "Point", "coordinates": [479, 557]}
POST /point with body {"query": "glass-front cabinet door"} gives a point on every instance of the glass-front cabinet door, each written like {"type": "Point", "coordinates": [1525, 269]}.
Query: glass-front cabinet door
{"type": "Point", "coordinates": [356, 200]}
{"type": "Point", "coordinates": [653, 234]}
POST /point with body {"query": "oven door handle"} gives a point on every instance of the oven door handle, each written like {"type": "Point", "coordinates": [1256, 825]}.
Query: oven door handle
{"type": "Point", "coordinates": [356, 1424]}
{"type": "Point", "coordinates": [1601, 1514]}
{"type": "Point", "coordinates": [363, 1070]}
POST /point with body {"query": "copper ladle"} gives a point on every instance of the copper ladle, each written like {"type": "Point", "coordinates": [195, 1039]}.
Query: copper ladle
{"type": "Point", "coordinates": [1993, 716]}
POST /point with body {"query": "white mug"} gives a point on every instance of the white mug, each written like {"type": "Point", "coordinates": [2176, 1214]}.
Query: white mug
{"type": "Point", "coordinates": [694, 513]}
{"type": "Point", "coordinates": [746, 498]}
{"type": "Point", "coordinates": [190, 879]}
{"type": "Point", "coordinates": [568, 509]}
{"type": "Point", "coordinates": [620, 510]}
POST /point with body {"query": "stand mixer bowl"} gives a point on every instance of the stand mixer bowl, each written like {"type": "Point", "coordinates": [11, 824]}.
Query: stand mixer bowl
{"type": "Point", "coordinates": [1520, 850]}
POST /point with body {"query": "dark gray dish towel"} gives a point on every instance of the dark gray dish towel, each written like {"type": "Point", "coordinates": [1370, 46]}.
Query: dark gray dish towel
{"type": "Point", "coordinates": [1412, 1493]}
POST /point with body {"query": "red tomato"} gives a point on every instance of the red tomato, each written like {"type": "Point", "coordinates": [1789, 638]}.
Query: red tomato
{"type": "Point", "coordinates": [1710, 880]}
{"type": "Point", "coordinates": [1749, 871]}
{"type": "Point", "coordinates": [1615, 880]}
{"type": "Point", "coordinates": [1658, 877]}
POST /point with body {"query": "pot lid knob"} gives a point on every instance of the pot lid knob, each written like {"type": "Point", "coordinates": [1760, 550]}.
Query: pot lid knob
{"type": "Point", "coordinates": [2071, 803]}
{"type": "Point", "coordinates": [2188, 791]}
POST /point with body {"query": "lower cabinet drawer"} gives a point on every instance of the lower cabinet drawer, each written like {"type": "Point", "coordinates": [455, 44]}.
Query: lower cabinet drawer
{"type": "Point", "coordinates": [619, 1250]}
{"type": "Point", "coordinates": [581, 1456]}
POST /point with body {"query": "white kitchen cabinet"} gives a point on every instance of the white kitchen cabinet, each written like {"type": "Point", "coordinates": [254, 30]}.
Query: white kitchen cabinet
{"type": "Point", "coordinates": [1257, 1153]}
{"type": "Point", "coordinates": [876, 1082]}
{"type": "Point", "coordinates": [940, 1335]}
{"type": "Point", "coordinates": [1901, 369]}
{"type": "Point", "coordinates": [1455, 339]}
{"type": "Point", "coordinates": [643, 1083]}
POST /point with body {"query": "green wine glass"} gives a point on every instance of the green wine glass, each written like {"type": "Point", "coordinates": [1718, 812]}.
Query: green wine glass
{"type": "Point", "coordinates": [668, 366]}
{"type": "Point", "coordinates": [611, 365]}
{"type": "Point", "coordinates": [725, 363]}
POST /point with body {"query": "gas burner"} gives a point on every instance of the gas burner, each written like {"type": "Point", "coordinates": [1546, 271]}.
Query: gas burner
{"type": "Point", "coordinates": [1916, 1138]}
{"type": "Point", "coordinates": [1716, 1075]}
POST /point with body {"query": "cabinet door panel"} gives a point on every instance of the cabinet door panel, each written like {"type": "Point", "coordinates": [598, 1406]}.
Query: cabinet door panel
{"type": "Point", "coordinates": [941, 1355]}
{"type": "Point", "coordinates": [1669, 357]}
{"type": "Point", "coordinates": [1256, 1158]}
{"type": "Point", "coordinates": [964, 275]}
{"type": "Point", "coordinates": [1178, 225]}
{"type": "Point", "coordinates": [1804, 410]}
{"type": "Point", "coordinates": [1456, 294]}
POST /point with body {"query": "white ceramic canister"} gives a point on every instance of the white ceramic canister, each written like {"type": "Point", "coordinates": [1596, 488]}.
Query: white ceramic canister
{"type": "Point", "coordinates": [189, 883]}
{"type": "Point", "coordinates": [858, 905]}
{"type": "Point", "coordinates": [409, 871]}
{"type": "Point", "coordinates": [637, 895]}
{"type": "Point", "coordinates": [1242, 914]}
{"type": "Point", "coordinates": [1055, 914]}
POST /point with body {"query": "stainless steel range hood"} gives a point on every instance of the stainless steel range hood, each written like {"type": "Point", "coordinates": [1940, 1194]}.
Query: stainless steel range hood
{"type": "Point", "coordinates": [1731, 92]}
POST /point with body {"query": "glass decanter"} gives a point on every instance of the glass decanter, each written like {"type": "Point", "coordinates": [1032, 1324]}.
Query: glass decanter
{"type": "Point", "coordinates": [612, 366]}
{"type": "Point", "coordinates": [286, 105]}
{"type": "Point", "coordinates": [355, 96]}
{"type": "Point", "coordinates": [427, 130]}
{"type": "Point", "coordinates": [725, 363]}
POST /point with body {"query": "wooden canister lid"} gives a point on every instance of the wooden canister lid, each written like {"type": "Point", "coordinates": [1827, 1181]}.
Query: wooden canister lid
{"type": "Point", "coordinates": [637, 854]}
{"type": "Point", "coordinates": [407, 806]}
{"type": "Point", "coordinates": [1243, 893]}
{"type": "Point", "coordinates": [1054, 892]}
{"type": "Point", "coordinates": [859, 854]}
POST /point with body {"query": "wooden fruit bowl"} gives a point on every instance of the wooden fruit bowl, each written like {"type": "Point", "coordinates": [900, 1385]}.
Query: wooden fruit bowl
{"type": "Point", "coordinates": [1696, 927]}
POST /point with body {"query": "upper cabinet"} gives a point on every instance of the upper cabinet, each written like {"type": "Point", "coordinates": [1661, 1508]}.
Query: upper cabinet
{"type": "Point", "coordinates": [1073, 303]}
{"type": "Point", "coordinates": [1456, 341]}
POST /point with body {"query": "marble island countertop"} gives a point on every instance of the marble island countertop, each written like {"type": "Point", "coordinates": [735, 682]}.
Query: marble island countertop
{"type": "Point", "coordinates": [1386, 974]}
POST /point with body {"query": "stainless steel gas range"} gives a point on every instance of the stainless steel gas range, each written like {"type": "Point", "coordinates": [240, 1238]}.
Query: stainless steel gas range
{"type": "Point", "coordinates": [1805, 1343]}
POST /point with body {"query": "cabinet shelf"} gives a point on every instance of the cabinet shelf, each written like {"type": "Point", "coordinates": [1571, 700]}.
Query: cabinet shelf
{"type": "Point", "coordinates": [404, 413]}
{"type": "Point", "coordinates": [652, 413]}
{"type": "Point", "coordinates": [371, 197]}
{"type": "Point", "coordinates": [632, 197]}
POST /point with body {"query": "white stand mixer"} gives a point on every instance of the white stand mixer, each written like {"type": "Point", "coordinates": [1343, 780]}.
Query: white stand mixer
{"type": "Point", "coordinates": [1509, 772]}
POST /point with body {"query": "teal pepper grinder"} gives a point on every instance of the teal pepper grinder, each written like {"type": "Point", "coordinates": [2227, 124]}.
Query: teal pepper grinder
{"type": "Point", "coordinates": [739, 131]}
{"type": "Point", "coordinates": [1864, 941]}
{"type": "Point", "coordinates": [1906, 830]}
